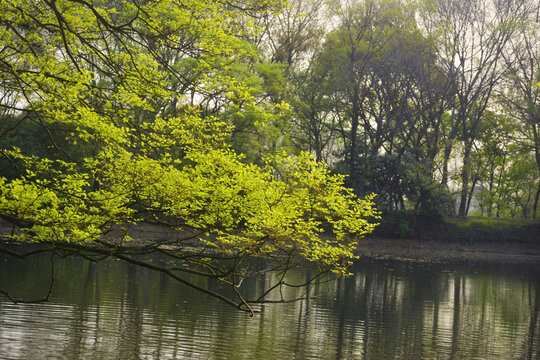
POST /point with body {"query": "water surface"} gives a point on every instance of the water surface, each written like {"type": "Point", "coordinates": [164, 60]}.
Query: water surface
{"type": "Point", "coordinates": [387, 310]}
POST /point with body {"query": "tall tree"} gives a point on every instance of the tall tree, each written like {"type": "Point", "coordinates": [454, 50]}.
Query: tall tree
{"type": "Point", "coordinates": [351, 52]}
{"type": "Point", "coordinates": [474, 35]}
{"type": "Point", "coordinates": [520, 92]}
{"type": "Point", "coordinates": [291, 36]}
{"type": "Point", "coordinates": [389, 96]}
{"type": "Point", "coordinates": [146, 85]}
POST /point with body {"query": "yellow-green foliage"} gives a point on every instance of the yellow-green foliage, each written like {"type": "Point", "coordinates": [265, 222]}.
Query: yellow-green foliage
{"type": "Point", "coordinates": [122, 76]}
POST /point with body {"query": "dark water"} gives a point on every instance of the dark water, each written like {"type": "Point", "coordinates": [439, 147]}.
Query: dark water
{"type": "Point", "coordinates": [388, 310]}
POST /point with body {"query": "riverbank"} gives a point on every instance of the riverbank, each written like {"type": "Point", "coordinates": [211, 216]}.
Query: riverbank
{"type": "Point", "coordinates": [409, 225]}
{"type": "Point", "coordinates": [466, 240]}
{"type": "Point", "coordinates": [457, 239]}
{"type": "Point", "coordinates": [428, 239]}
{"type": "Point", "coordinates": [446, 251]}
{"type": "Point", "coordinates": [480, 239]}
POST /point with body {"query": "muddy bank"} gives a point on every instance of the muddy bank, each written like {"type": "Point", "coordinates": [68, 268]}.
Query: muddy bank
{"type": "Point", "coordinates": [470, 229]}
{"type": "Point", "coordinates": [426, 238]}
{"type": "Point", "coordinates": [445, 251]}
{"type": "Point", "coordinates": [418, 250]}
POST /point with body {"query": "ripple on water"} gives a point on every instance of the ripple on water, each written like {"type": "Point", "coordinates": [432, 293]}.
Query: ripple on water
{"type": "Point", "coordinates": [377, 316]}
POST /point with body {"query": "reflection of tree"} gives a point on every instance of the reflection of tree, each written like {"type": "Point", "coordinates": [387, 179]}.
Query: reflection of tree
{"type": "Point", "coordinates": [435, 322]}
{"type": "Point", "coordinates": [378, 313]}
{"type": "Point", "coordinates": [303, 322]}
{"type": "Point", "coordinates": [130, 320]}
{"type": "Point", "coordinates": [368, 280]}
{"type": "Point", "coordinates": [534, 304]}
{"type": "Point", "coordinates": [81, 313]}
{"type": "Point", "coordinates": [455, 323]}
{"type": "Point", "coordinates": [344, 293]}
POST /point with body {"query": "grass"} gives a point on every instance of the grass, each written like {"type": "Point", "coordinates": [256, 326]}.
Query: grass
{"type": "Point", "coordinates": [493, 229]}
{"type": "Point", "coordinates": [470, 229]}
{"type": "Point", "coordinates": [492, 223]}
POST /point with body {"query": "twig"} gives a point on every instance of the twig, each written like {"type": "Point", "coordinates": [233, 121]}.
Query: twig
{"type": "Point", "coordinates": [35, 301]}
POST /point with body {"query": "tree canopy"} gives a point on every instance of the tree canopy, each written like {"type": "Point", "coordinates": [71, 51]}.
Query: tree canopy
{"type": "Point", "coordinates": [130, 105]}
{"type": "Point", "coordinates": [399, 95]}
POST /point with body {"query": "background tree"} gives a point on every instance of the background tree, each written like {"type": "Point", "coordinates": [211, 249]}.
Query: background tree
{"type": "Point", "coordinates": [474, 37]}
{"type": "Point", "coordinates": [395, 95]}
{"type": "Point", "coordinates": [521, 93]}
{"type": "Point", "coordinates": [490, 158]}
{"type": "Point", "coordinates": [351, 52]}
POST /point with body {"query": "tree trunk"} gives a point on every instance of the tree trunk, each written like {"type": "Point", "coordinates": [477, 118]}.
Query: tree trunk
{"type": "Point", "coordinates": [446, 158]}
{"type": "Point", "coordinates": [537, 156]}
{"type": "Point", "coordinates": [353, 151]}
{"type": "Point", "coordinates": [491, 180]}
{"type": "Point", "coordinates": [471, 194]}
{"type": "Point", "coordinates": [465, 181]}
{"type": "Point", "coordinates": [448, 144]}
{"type": "Point", "coordinates": [536, 198]}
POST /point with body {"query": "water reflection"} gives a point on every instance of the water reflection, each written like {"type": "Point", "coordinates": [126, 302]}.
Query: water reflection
{"type": "Point", "coordinates": [114, 310]}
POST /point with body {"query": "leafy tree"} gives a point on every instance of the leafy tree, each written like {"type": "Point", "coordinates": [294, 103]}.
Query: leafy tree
{"type": "Point", "coordinates": [314, 119]}
{"type": "Point", "coordinates": [474, 36]}
{"type": "Point", "coordinates": [490, 158]}
{"type": "Point", "coordinates": [146, 89]}
{"type": "Point", "coordinates": [349, 62]}
{"type": "Point", "coordinates": [521, 92]}
{"type": "Point", "coordinates": [291, 35]}
{"type": "Point", "coordinates": [503, 168]}
{"type": "Point", "coordinates": [388, 98]}
{"type": "Point", "coordinates": [516, 191]}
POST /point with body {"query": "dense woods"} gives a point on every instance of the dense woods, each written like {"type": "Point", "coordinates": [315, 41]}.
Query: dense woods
{"type": "Point", "coordinates": [257, 126]}
{"type": "Point", "coordinates": [433, 105]}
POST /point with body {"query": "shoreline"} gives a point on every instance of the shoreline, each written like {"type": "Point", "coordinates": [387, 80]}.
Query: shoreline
{"type": "Point", "coordinates": [433, 251]}
{"type": "Point", "coordinates": [443, 249]}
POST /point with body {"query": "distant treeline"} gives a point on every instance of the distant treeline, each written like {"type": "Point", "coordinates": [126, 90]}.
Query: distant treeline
{"type": "Point", "coordinates": [432, 105]}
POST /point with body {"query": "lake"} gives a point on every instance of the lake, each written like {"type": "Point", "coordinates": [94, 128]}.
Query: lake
{"type": "Point", "coordinates": [387, 310]}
